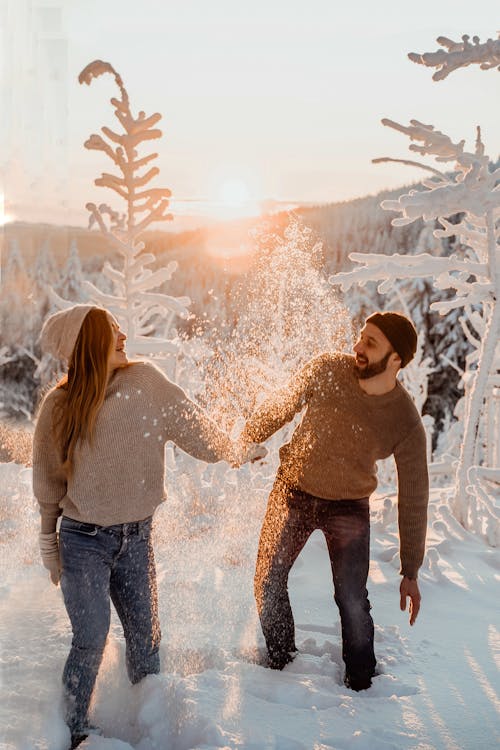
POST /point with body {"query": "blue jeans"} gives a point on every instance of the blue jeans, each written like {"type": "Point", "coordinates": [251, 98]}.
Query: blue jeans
{"type": "Point", "coordinates": [99, 564]}
{"type": "Point", "coordinates": [291, 517]}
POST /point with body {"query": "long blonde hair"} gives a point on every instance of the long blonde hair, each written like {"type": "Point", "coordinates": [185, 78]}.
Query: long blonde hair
{"type": "Point", "coordinates": [85, 385]}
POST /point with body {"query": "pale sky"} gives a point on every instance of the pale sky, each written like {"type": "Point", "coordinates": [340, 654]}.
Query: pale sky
{"type": "Point", "coordinates": [280, 99]}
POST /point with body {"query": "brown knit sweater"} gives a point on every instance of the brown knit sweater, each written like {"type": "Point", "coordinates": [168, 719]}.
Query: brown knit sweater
{"type": "Point", "coordinates": [343, 432]}
{"type": "Point", "coordinates": [119, 478]}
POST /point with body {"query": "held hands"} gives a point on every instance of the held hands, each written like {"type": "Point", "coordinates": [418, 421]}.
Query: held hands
{"type": "Point", "coordinates": [49, 550]}
{"type": "Point", "coordinates": [409, 588]}
{"type": "Point", "coordinates": [244, 452]}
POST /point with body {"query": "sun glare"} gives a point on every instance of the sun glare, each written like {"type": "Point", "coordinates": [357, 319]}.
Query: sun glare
{"type": "Point", "coordinates": [234, 193]}
{"type": "Point", "coordinates": [233, 200]}
{"type": "Point", "coordinates": [3, 216]}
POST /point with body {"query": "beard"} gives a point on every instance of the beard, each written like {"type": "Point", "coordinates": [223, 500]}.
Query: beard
{"type": "Point", "coordinates": [375, 368]}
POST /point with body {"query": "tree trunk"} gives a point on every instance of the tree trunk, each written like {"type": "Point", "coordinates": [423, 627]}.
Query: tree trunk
{"type": "Point", "coordinates": [486, 357]}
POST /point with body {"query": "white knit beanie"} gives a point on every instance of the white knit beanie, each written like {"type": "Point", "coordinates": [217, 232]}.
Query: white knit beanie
{"type": "Point", "coordinates": [60, 330]}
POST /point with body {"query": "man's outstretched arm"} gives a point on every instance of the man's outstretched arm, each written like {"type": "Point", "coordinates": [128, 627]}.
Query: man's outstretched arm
{"type": "Point", "coordinates": [280, 407]}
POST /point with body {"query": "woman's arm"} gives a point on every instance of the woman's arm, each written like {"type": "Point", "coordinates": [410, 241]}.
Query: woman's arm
{"type": "Point", "coordinates": [49, 480]}
{"type": "Point", "coordinates": [49, 487]}
{"type": "Point", "coordinates": [190, 428]}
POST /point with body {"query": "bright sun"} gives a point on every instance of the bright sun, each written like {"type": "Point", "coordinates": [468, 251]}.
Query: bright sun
{"type": "Point", "coordinates": [3, 216]}
{"type": "Point", "coordinates": [234, 193]}
{"type": "Point", "coordinates": [233, 200]}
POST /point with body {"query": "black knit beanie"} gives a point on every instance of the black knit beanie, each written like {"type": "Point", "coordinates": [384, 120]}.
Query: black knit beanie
{"type": "Point", "coordinates": [399, 331]}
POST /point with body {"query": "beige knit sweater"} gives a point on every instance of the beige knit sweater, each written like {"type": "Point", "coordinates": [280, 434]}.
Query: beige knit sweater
{"type": "Point", "coordinates": [119, 478]}
{"type": "Point", "coordinates": [343, 432]}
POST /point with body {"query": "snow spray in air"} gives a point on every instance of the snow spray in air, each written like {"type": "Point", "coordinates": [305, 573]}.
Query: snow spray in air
{"type": "Point", "coordinates": [207, 531]}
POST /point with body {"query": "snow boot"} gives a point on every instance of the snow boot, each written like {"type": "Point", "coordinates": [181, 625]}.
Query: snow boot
{"type": "Point", "coordinates": [357, 683]}
{"type": "Point", "coordinates": [80, 735]}
{"type": "Point", "coordinates": [77, 739]}
{"type": "Point", "coordinates": [279, 660]}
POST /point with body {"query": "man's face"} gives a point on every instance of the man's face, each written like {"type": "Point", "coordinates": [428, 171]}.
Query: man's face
{"type": "Point", "coordinates": [372, 351]}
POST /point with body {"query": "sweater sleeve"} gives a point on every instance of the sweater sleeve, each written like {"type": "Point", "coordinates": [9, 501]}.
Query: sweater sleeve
{"type": "Point", "coordinates": [281, 406]}
{"type": "Point", "coordinates": [413, 498]}
{"type": "Point", "coordinates": [193, 431]}
{"type": "Point", "coordinates": [49, 481]}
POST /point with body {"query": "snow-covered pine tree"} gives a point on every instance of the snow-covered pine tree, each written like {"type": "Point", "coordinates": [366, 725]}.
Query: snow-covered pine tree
{"type": "Point", "coordinates": [143, 311]}
{"type": "Point", "coordinates": [14, 266]}
{"type": "Point", "coordinates": [70, 286]}
{"type": "Point", "coordinates": [45, 270]}
{"type": "Point", "coordinates": [472, 276]}
{"type": "Point", "coordinates": [17, 303]}
{"type": "Point", "coordinates": [19, 320]}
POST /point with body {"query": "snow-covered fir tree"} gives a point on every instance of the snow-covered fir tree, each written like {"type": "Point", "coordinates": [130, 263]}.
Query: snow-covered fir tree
{"type": "Point", "coordinates": [15, 267]}
{"type": "Point", "coordinates": [71, 282]}
{"type": "Point", "coordinates": [45, 270]}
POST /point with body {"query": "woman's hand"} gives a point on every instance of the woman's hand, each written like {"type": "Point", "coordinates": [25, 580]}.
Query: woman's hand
{"type": "Point", "coordinates": [49, 550]}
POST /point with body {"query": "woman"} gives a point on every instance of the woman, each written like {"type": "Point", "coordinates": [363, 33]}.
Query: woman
{"type": "Point", "coordinates": [98, 459]}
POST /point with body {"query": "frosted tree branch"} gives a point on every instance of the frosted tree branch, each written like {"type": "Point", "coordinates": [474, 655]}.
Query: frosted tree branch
{"type": "Point", "coordinates": [409, 163]}
{"type": "Point", "coordinates": [474, 189]}
{"type": "Point", "coordinates": [476, 343]}
{"type": "Point", "coordinates": [460, 55]}
{"type": "Point", "coordinates": [394, 267]}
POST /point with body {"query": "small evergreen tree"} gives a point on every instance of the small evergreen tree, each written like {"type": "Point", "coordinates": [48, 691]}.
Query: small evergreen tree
{"type": "Point", "coordinates": [140, 309]}
{"type": "Point", "coordinates": [147, 313]}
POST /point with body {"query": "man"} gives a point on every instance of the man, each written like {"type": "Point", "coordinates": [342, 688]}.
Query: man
{"type": "Point", "coordinates": [355, 412]}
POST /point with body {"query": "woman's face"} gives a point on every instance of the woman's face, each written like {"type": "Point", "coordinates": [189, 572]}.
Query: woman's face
{"type": "Point", "coordinates": [117, 356]}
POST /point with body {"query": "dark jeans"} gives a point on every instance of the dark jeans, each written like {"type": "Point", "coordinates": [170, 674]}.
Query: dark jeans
{"type": "Point", "coordinates": [291, 517]}
{"type": "Point", "coordinates": [100, 563]}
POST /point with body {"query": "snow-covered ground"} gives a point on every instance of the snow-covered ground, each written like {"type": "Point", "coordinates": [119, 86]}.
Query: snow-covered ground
{"type": "Point", "coordinates": [439, 682]}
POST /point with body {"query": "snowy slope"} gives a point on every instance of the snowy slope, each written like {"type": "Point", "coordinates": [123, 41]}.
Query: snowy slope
{"type": "Point", "coordinates": [439, 680]}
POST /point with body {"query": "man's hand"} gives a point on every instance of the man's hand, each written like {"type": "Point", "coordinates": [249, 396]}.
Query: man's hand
{"type": "Point", "coordinates": [409, 588]}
